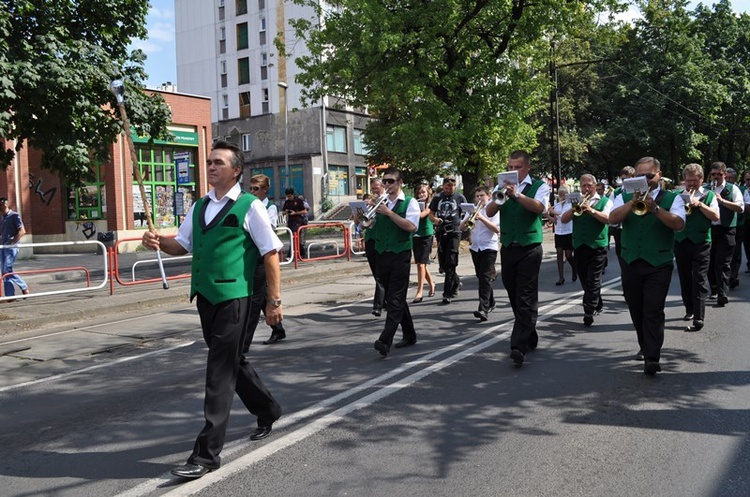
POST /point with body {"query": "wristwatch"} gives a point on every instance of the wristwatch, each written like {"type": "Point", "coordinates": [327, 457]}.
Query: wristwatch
{"type": "Point", "coordinates": [275, 302]}
{"type": "Point", "coordinates": [656, 209]}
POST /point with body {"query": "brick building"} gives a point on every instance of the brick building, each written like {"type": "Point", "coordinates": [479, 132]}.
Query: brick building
{"type": "Point", "coordinates": [173, 172]}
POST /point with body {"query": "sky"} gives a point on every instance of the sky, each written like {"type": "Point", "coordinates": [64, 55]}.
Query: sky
{"type": "Point", "coordinates": [161, 64]}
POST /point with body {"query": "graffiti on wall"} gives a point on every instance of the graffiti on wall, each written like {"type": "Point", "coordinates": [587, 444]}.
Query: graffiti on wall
{"type": "Point", "coordinates": [38, 188]}
{"type": "Point", "coordinates": [88, 228]}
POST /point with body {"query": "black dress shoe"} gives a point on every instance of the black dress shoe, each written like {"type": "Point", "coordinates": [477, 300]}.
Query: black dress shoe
{"type": "Point", "coordinates": [405, 343]}
{"type": "Point", "coordinates": [588, 319]}
{"type": "Point", "coordinates": [446, 300]}
{"type": "Point", "coordinates": [376, 312]}
{"type": "Point", "coordinates": [722, 300]}
{"type": "Point", "coordinates": [261, 432]}
{"type": "Point", "coordinates": [480, 315]}
{"type": "Point", "coordinates": [274, 338]}
{"type": "Point", "coordinates": [734, 284]}
{"type": "Point", "coordinates": [688, 317]}
{"type": "Point", "coordinates": [382, 347]}
{"type": "Point", "coordinates": [517, 357]}
{"type": "Point", "coordinates": [560, 282]}
{"type": "Point", "coordinates": [696, 326]}
{"type": "Point", "coordinates": [190, 471]}
{"type": "Point", "coordinates": [651, 367]}
{"type": "Point", "coordinates": [639, 356]}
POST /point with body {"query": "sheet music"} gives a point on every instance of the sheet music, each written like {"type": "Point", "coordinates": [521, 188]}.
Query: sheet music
{"type": "Point", "coordinates": [466, 207]}
{"type": "Point", "coordinates": [632, 185]}
{"type": "Point", "coordinates": [507, 178]}
{"type": "Point", "coordinates": [357, 204]}
{"type": "Point", "coordinates": [575, 197]}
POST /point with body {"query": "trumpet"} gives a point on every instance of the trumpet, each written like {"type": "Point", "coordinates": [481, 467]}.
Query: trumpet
{"type": "Point", "coordinates": [578, 206]}
{"type": "Point", "coordinates": [639, 207]}
{"type": "Point", "coordinates": [500, 195]}
{"type": "Point", "coordinates": [367, 218]}
{"type": "Point", "coordinates": [471, 221]}
{"type": "Point", "coordinates": [609, 191]}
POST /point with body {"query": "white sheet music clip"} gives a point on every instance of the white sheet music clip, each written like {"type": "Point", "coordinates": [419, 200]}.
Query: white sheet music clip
{"type": "Point", "coordinates": [637, 184]}
{"type": "Point", "coordinates": [507, 178]}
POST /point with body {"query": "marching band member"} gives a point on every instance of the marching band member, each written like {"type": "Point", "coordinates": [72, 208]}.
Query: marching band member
{"type": "Point", "coordinates": [445, 209]}
{"type": "Point", "coordinates": [483, 249]}
{"type": "Point", "coordinates": [692, 247]}
{"type": "Point", "coordinates": [376, 187]}
{"type": "Point", "coordinates": [615, 229]}
{"type": "Point", "coordinates": [563, 235]}
{"type": "Point", "coordinates": [521, 251]}
{"type": "Point", "coordinates": [259, 185]}
{"type": "Point", "coordinates": [723, 232]}
{"type": "Point", "coordinates": [423, 243]}
{"type": "Point", "coordinates": [396, 220]}
{"type": "Point", "coordinates": [647, 253]}
{"type": "Point", "coordinates": [739, 236]}
{"type": "Point", "coordinates": [590, 220]}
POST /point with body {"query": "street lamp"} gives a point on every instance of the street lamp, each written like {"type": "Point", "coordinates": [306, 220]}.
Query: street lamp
{"type": "Point", "coordinates": [285, 87]}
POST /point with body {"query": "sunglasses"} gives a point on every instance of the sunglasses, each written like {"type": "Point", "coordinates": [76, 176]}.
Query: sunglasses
{"type": "Point", "coordinates": [649, 176]}
{"type": "Point", "coordinates": [255, 188]}
{"type": "Point", "coordinates": [449, 180]}
{"type": "Point", "coordinates": [388, 181]}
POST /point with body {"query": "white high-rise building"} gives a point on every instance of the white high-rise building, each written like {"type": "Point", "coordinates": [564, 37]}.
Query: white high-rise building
{"type": "Point", "coordinates": [226, 50]}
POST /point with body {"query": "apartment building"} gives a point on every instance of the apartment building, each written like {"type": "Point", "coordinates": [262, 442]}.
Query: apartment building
{"type": "Point", "coordinates": [226, 51]}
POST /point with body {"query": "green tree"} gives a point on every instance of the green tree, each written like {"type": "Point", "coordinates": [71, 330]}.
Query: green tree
{"type": "Point", "coordinates": [57, 59]}
{"type": "Point", "coordinates": [449, 81]}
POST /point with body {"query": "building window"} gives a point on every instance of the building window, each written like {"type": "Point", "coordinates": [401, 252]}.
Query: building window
{"type": "Point", "coordinates": [247, 142]}
{"type": "Point", "coordinates": [261, 4]}
{"type": "Point", "coordinates": [265, 101]}
{"type": "Point", "coordinates": [262, 38]}
{"type": "Point", "coordinates": [225, 113]}
{"type": "Point", "coordinates": [222, 39]}
{"type": "Point", "coordinates": [359, 147]}
{"type": "Point", "coordinates": [336, 139]}
{"type": "Point", "coordinates": [338, 180]}
{"type": "Point", "coordinates": [87, 201]}
{"type": "Point", "coordinates": [242, 42]}
{"type": "Point", "coordinates": [221, 13]}
{"type": "Point", "coordinates": [223, 80]}
{"type": "Point", "coordinates": [263, 59]}
{"type": "Point", "coordinates": [263, 73]}
{"type": "Point", "coordinates": [223, 71]}
{"type": "Point", "coordinates": [241, 7]}
{"type": "Point", "coordinates": [225, 100]}
{"type": "Point", "coordinates": [245, 104]}
{"type": "Point", "coordinates": [164, 188]}
{"type": "Point", "coordinates": [243, 71]}
{"type": "Point", "coordinates": [225, 106]}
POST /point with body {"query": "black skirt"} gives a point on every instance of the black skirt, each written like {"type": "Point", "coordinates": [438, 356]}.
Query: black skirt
{"type": "Point", "coordinates": [422, 248]}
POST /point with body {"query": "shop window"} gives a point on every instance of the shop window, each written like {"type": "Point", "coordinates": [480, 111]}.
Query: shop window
{"type": "Point", "coordinates": [338, 180]}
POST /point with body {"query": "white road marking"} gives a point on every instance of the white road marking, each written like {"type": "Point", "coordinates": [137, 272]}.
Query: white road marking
{"type": "Point", "coordinates": [317, 425]}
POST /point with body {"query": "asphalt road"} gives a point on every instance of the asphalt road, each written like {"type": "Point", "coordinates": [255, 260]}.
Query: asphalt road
{"type": "Point", "coordinates": [449, 416]}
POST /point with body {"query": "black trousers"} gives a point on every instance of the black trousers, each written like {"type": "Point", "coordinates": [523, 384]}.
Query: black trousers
{"type": "Point", "coordinates": [227, 372]}
{"type": "Point", "coordinates": [617, 236]}
{"type": "Point", "coordinates": [746, 244]}
{"type": "Point", "coordinates": [448, 258]}
{"type": "Point", "coordinates": [692, 268]}
{"type": "Point", "coordinates": [520, 275]}
{"type": "Point", "coordinates": [589, 266]}
{"type": "Point", "coordinates": [646, 288]}
{"type": "Point", "coordinates": [722, 250]}
{"type": "Point", "coordinates": [257, 304]}
{"type": "Point", "coordinates": [484, 268]}
{"type": "Point", "coordinates": [372, 260]}
{"type": "Point", "coordinates": [734, 269]}
{"type": "Point", "coordinates": [393, 273]}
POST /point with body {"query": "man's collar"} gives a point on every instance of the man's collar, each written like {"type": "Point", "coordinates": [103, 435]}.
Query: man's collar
{"type": "Point", "coordinates": [232, 194]}
{"type": "Point", "coordinates": [400, 196]}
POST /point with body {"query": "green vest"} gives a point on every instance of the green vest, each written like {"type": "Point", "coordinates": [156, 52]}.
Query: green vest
{"type": "Point", "coordinates": [425, 227]}
{"type": "Point", "coordinates": [645, 237]}
{"type": "Point", "coordinates": [697, 226]}
{"type": "Point", "coordinates": [388, 236]}
{"type": "Point", "coordinates": [728, 218]}
{"type": "Point", "coordinates": [589, 231]}
{"type": "Point", "coordinates": [518, 225]}
{"type": "Point", "coordinates": [224, 255]}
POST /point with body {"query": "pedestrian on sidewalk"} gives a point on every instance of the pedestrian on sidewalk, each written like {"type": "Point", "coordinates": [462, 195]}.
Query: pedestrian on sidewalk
{"type": "Point", "coordinates": [12, 231]}
{"type": "Point", "coordinates": [232, 230]}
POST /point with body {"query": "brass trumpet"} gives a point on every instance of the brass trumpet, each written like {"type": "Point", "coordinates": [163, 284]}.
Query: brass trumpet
{"type": "Point", "coordinates": [689, 203]}
{"type": "Point", "coordinates": [578, 206]}
{"type": "Point", "coordinates": [639, 207]}
{"type": "Point", "coordinates": [471, 221]}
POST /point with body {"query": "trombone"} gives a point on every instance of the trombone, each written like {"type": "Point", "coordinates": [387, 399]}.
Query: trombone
{"type": "Point", "coordinates": [471, 221]}
{"type": "Point", "coordinates": [578, 206]}
{"type": "Point", "coordinates": [639, 206]}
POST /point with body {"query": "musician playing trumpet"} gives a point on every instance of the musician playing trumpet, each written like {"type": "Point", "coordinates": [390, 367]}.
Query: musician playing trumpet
{"type": "Point", "coordinates": [376, 187]}
{"type": "Point", "coordinates": [692, 248]}
{"type": "Point", "coordinates": [647, 253]}
{"type": "Point", "coordinates": [590, 238]}
{"type": "Point", "coordinates": [483, 249]}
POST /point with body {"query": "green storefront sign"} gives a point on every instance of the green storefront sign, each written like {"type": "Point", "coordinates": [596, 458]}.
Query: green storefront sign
{"type": "Point", "coordinates": [184, 138]}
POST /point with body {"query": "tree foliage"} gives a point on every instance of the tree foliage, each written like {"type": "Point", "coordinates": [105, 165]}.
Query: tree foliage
{"type": "Point", "coordinates": [449, 81]}
{"type": "Point", "coordinates": [56, 62]}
